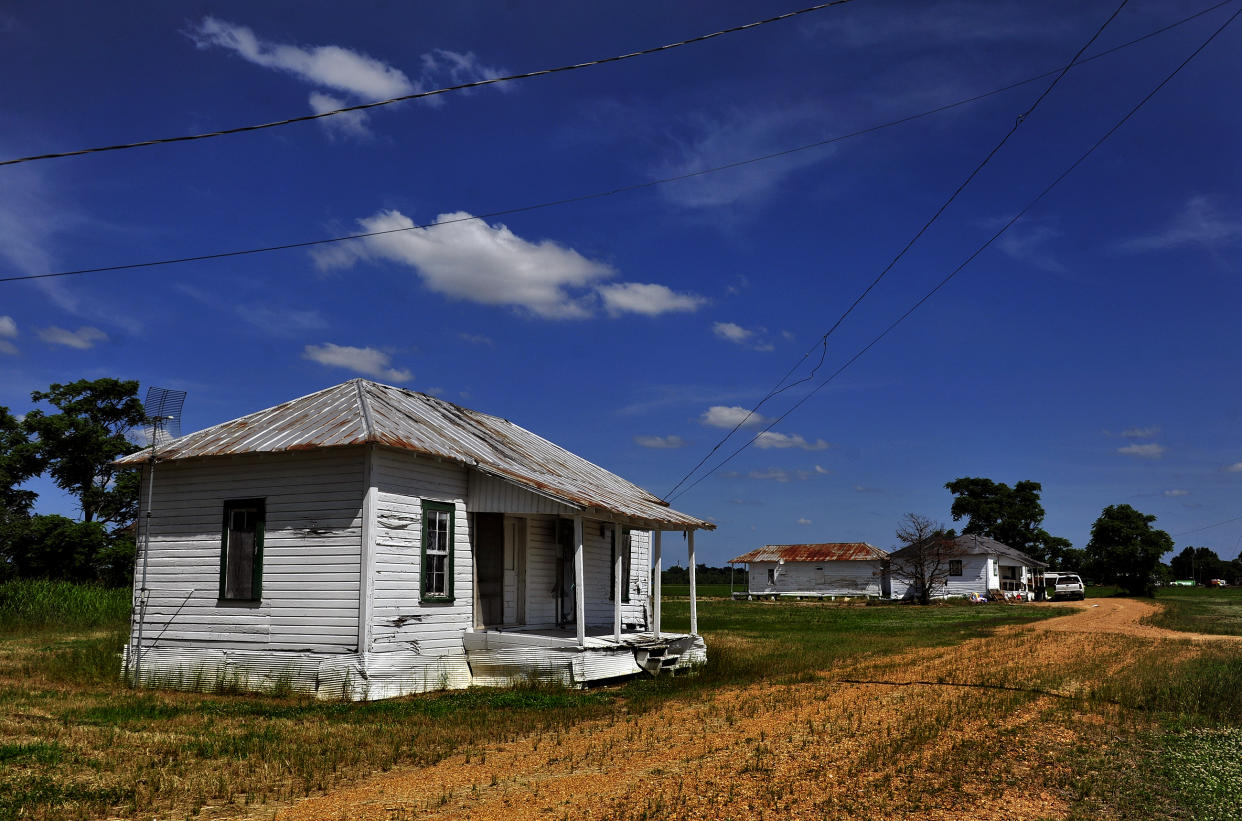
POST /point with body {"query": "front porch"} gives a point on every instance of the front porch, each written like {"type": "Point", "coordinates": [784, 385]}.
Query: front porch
{"type": "Point", "coordinates": [502, 657]}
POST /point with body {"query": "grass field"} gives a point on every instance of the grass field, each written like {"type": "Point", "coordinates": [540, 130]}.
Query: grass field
{"type": "Point", "coordinates": [76, 743]}
{"type": "Point", "coordinates": [1201, 610]}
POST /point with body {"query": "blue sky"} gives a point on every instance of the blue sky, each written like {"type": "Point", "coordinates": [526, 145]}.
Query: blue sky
{"type": "Point", "coordinates": [1093, 348]}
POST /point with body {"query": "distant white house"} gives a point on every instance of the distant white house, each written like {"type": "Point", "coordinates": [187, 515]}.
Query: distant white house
{"type": "Point", "coordinates": [367, 541]}
{"type": "Point", "coordinates": [827, 569]}
{"type": "Point", "coordinates": [971, 564]}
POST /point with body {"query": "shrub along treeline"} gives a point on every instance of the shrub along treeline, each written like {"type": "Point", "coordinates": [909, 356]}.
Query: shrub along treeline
{"type": "Point", "coordinates": [702, 575]}
{"type": "Point", "coordinates": [71, 436]}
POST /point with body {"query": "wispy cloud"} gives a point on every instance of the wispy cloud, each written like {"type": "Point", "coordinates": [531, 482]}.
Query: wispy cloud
{"type": "Point", "coordinates": [1141, 433]}
{"type": "Point", "coordinates": [730, 416]}
{"type": "Point", "coordinates": [84, 338]}
{"type": "Point", "coordinates": [753, 338]}
{"type": "Point", "coordinates": [1029, 242]}
{"type": "Point", "coordinates": [8, 331]}
{"type": "Point", "coordinates": [1236, 467]}
{"type": "Point", "coordinates": [865, 489]}
{"type": "Point", "coordinates": [771, 439]}
{"type": "Point", "coordinates": [804, 521]}
{"type": "Point", "coordinates": [476, 339]}
{"type": "Point", "coordinates": [660, 442]}
{"type": "Point", "coordinates": [368, 361]}
{"type": "Point", "coordinates": [1147, 450]}
{"type": "Point", "coordinates": [780, 475]}
{"type": "Point", "coordinates": [1200, 224]}
{"type": "Point", "coordinates": [1176, 492]}
{"type": "Point", "coordinates": [343, 70]}
{"type": "Point", "coordinates": [648, 299]}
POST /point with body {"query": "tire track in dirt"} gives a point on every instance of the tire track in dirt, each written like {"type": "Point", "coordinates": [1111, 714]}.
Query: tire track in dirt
{"type": "Point", "coordinates": [807, 750]}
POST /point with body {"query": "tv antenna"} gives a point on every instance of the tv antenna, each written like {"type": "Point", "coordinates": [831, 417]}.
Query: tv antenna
{"type": "Point", "coordinates": [162, 424]}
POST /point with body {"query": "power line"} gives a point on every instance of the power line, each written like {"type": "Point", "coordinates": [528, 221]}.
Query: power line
{"type": "Point", "coordinates": [621, 189]}
{"type": "Point", "coordinates": [1206, 527]}
{"type": "Point", "coordinates": [823, 341]}
{"type": "Point", "coordinates": [945, 281]}
{"type": "Point", "coordinates": [421, 94]}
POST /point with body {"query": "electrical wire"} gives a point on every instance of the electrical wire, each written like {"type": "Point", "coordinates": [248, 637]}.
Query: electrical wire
{"type": "Point", "coordinates": [621, 189]}
{"type": "Point", "coordinates": [945, 281]}
{"type": "Point", "coordinates": [421, 94]}
{"type": "Point", "coordinates": [904, 250]}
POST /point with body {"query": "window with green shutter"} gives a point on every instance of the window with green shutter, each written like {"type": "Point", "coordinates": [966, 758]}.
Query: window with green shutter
{"type": "Point", "coordinates": [437, 559]}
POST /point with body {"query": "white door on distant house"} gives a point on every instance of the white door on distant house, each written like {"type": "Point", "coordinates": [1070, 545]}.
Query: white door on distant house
{"type": "Point", "coordinates": [515, 571]}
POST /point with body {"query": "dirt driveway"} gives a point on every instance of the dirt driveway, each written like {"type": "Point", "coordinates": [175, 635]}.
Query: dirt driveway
{"type": "Point", "coordinates": [937, 733]}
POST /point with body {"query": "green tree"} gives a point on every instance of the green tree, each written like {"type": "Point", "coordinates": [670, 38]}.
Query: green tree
{"type": "Point", "coordinates": [1125, 549]}
{"type": "Point", "coordinates": [1199, 564]}
{"type": "Point", "coordinates": [1010, 515]}
{"type": "Point", "coordinates": [19, 460]}
{"type": "Point", "coordinates": [54, 547]}
{"type": "Point", "coordinates": [79, 443]}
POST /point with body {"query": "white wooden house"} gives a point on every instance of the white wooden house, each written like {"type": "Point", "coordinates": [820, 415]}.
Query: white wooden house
{"type": "Point", "coordinates": [828, 569]}
{"type": "Point", "coordinates": [367, 541]}
{"type": "Point", "coordinates": [972, 564]}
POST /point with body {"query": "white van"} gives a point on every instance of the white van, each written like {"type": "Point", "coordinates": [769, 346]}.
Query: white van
{"type": "Point", "coordinates": [1063, 586]}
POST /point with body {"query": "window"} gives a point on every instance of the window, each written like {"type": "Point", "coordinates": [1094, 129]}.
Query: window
{"type": "Point", "coordinates": [625, 566]}
{"type": "Point", "coordinates": [437, 575]}
{"type": "Point", "coordinates": [241, 551]}
{"type": "Point", "coordinates": [955, 567]}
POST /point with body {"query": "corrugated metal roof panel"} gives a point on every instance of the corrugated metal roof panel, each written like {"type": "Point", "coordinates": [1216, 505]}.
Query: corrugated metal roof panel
{"type": "Point", "coordinates": [824, 552]}
{"type": "Point", "coordinates": [361, 412]}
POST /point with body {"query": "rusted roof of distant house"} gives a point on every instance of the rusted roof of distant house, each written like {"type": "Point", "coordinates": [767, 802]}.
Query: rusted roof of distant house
{"type": "Point", "coordinates": [361, 412]}
{"type": "Point", "coordinates": [824, 552]}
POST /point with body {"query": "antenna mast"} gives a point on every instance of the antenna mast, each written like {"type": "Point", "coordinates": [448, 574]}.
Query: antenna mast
{"type": "Point", "coordinates": [163, 424]}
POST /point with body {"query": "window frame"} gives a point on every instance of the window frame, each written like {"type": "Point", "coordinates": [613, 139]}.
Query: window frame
{"type": "Point", "coordinates": [448, 595]}
{"type": "Point", "coordinates": [955, 563]}
{"type": "Point", "coordinates": [256, 570]}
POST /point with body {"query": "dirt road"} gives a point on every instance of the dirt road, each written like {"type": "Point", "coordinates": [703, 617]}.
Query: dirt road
{"type": "Point", "coordinates": [973, 738]}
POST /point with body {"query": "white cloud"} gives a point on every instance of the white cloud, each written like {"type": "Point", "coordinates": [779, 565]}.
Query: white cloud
{"type": "Point", "coordinates": [865, 489]}
{"type": "Point", "coordinates": [1236, 467]}
{"type": "Point", "coordinates": [284, 322]}
{"type": "Point", "coordinates": [1200, 223]}
{"type": "Point", "coordinates": [1177, 493]}
{"type": "Point", "coordinates": [1028, 243]}
{"type": "Point", "coordinates": [649, 299]}
{"type": "Point", "coordinates": [460, 68]}
{"type": "Point", "coordinates": [746, 337]}
{"type": "Point", "coordinates": [469, 259]}
{"type": "Point", "coordinates": [8, 330]}
{"type": "Point", "coordinates": [661, 442]}
{"type": "Point", "coordinates": [369, 361]}
{"type": "Point", "coordinates": [347, 123]}
{"type": "Point", "coordinates": [83, 338]}
{"type": "Point", "coordinates": [328, 66]}
{"type": "Point", "coordinates": [771, 439]}
{"type": "Point", "coordinates": [1147, 450]}
{"type": "Point", "coordinates": [724, 416]}
{"type": "Point", "coordinates": [1140, 433]}
{"type": "Point", "coordinates": [804, 521]}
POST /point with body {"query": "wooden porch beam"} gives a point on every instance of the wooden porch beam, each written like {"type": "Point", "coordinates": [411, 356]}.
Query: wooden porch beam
{"type": "Point", "coordinates": [694, 601]}
{"type": "Point", "coordinates": [657, 584]}
{"type": "Point", "coordinates": [618, 584]}
{"type": "Point", "coordinates": [579, 584]}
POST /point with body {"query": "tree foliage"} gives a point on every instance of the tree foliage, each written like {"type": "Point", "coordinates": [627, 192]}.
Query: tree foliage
{"type": "Point", "coordinates": [1125, 549]}
{"type": "Point", "coordinates": [79, 443]}
{"type": "Point", "coordinates": [1012, 516]}
{"type": "Point", "coordinates": [922, 560]}
{"type": "Point", "coordinates": [19, 461]}
{"type": "Point", "coordinates": [1202, 565]}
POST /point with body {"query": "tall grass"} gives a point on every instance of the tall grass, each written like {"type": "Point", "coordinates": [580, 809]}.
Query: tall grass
{"type": "Point", "coordinates": [40, 604]}
{"type": "Point", "coordinates": [1200, 610]}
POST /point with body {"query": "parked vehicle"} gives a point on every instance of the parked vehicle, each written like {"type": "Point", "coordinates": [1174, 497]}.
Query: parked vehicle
{"type": "Point", "coordinates": [1063, 586]}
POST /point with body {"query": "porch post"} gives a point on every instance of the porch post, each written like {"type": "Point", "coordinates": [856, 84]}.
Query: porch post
{"type": "Point", "coordinates": [657, 585]}
{"type": "Point", "coordinates": [579, 583]}
{"type": "Point", "coordinates": [694, 602]}
{"type": "Point", "coordinates": [618, 584]}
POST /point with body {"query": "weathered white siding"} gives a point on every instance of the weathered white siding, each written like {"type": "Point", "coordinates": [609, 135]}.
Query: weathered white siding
{"type": "Point", "coordinates": [597, 558]}
{"type": "Point", "coordinates": [974, 579]}
{"type": "Point", "coordinates": [311, 547]}
{"type": "Point", "coordinates": [401, 621]}
{"type": "Point", "coordinates": [488, 494]}
{"type": "Point", "coordinates": [826, 578]}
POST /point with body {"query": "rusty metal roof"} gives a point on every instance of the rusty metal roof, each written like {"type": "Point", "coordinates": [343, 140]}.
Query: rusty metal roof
{"type": "Point", "coordinates": [825, 552]}
{"type": "Point", "coordinates": [361, 412]}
